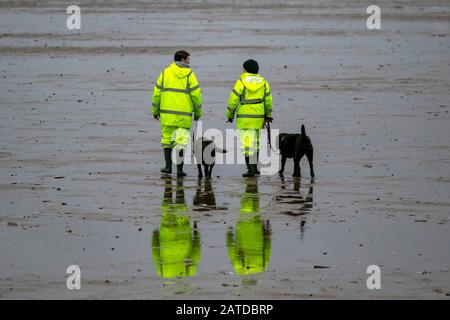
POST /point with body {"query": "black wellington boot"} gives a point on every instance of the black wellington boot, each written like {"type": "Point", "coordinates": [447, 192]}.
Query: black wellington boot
{"type": "Point", "coordinates": [180, 172]}
{"type": "Point", "coordinates": [255, 170]}
{"type": "Point", "coordinates": [250, 169]}
{"type": "Point", "coordinates": [168, 159]}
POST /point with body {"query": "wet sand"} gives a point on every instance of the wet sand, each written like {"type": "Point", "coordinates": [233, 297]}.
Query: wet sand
{"type": "Point", "coordinates": [80, 153]}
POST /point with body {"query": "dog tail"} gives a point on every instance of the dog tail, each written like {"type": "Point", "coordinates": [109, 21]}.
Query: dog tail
{"type": "Point", "coordinates": [221, 150]}
{"type": "Point", "coordinates": [303, 130]}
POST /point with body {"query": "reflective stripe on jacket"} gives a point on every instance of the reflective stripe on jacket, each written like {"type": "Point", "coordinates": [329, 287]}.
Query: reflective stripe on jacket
{"type": "Point", "coordinates": [176, 95]}
{"type": "Point", "coordinates": [250, 100]}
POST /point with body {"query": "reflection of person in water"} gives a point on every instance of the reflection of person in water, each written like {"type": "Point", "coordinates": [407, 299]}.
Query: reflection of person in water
{"type": "Point", "coordinates": [249, 247]}
{"type": "Point", "coordinates": [175, 247]}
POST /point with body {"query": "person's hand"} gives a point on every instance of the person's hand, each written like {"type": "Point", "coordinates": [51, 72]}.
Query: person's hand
{"type": "Point", "coordinates": [156, 116]}
{"type": "Point", "coordinates": [230, 120]}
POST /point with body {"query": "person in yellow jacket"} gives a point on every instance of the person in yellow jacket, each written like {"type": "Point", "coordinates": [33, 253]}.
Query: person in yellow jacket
{"type": "Point", "coordinates": [176, 98]}
{"type": "Point", "coordinates": [251, 102]}
{"type": "Point", "coordinates": [249, 247]}
{"type": "Point", "coordinates": [175, 246]}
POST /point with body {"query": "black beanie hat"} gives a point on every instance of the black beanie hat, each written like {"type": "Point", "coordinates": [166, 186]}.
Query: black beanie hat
{"type": "Point", "coordinates": [251, 66]}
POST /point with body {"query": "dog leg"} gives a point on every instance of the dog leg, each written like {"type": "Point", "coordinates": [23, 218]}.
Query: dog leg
{"type": "Point", "coordinates": [297, 172]}
{"type": "Point", "coordinates": [294, 174]}
{"type": "Point", "coordinates": [309, 155]}
{"type": "Point", "coordinates": [206, 167]}
{"type": "Point", "coordinates": [283, 163]}
{"type": "Point", "coordinates": [208, 175]}
{"type": "Point", "coordinates": [199, 168]}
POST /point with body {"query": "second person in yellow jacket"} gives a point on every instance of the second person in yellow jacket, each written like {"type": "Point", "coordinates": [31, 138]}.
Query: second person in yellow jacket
{"type": "Point", "coordinates": [251, 102]}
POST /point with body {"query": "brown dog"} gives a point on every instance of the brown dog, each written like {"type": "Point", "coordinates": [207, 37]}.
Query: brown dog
{"type": "Point", "coordinates": [205, 154]}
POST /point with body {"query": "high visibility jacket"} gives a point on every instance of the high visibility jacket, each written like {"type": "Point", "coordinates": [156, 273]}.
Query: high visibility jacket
{"type": "Point", "coordinates": [176, 95]}
{"type": "Point", "coordinates": [249, 248]}
{"type": "Point", "coordinates": [250, 100]}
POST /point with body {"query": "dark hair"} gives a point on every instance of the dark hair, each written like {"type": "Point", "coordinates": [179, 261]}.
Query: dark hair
{"type": "Point", "coordinates": [179, 55]}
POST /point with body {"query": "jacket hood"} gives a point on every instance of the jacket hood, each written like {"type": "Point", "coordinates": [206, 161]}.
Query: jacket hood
{"type": "Point", "coordinates": [253, 82]}
{"type": "Point", "coordinates": [180, 72]}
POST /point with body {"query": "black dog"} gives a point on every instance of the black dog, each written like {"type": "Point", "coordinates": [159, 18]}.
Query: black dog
{"type": "Point", "coordinates": [205, 154]}
{"type": "Point", "coordinates": [296, 146]}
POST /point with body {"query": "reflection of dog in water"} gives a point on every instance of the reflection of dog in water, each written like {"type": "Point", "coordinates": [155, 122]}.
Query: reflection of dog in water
{"type": "Point", "coordinates": [295, 203]}
{"type": "Point", "coordinates": [205, 200]}
{"type": "Point", "coordinates": [205, 154]}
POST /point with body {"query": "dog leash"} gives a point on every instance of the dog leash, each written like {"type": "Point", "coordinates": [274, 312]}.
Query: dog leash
{"type": "Point", "coordinates": [269, 141]}
{"type": "Point", "coordinates": [193, 140]}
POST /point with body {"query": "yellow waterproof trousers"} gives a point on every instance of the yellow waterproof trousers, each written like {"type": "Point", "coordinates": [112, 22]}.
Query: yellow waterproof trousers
{"type": "Point", "coordinates": [249, 139]}
{"type": "Point", "coordinates": [174, 136]}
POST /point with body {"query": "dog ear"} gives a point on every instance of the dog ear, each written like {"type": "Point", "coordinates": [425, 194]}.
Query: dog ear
{"type": "Point", "coordinates": [303, 130]}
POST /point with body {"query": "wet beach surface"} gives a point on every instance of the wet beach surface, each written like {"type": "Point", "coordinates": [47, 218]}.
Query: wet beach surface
{"type": "Point", "coordinates": [80, 152]}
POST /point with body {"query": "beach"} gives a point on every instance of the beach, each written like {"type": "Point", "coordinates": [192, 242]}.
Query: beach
{"type": "Point", "coordinates": [80, 152]}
